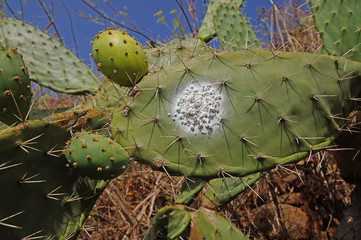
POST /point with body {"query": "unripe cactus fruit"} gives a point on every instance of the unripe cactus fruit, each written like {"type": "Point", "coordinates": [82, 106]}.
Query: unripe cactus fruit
{"type": "Point", "coordinates": [15, 89]}
{"type": "Point", "coordinates": [119, 57]}
{"type": "Point", "coordinates": [96, 156]}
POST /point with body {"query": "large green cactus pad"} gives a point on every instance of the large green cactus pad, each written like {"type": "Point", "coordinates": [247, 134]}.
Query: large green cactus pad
{"type": "Point", "coordinates": [238, 113]}
{"type": "Point", "coordinates": [339, 24]}
{"type": "Point", "coordinates": [50, 64]}
{"type": "Point", "coordinates": [41, 198]}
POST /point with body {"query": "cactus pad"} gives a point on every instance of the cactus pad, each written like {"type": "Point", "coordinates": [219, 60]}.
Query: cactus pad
{"type": "Point", "coordinates": [220, 191]}
{"type": "Point", "coordinates": [238, 113]}
{"type": "Point", "coordinates": [339, 25]}
{"type": "Point", "coordinates": [119, 57]}
{"type": "Point", "coordinates": [207, 225]}
{"type": "Point", "coordinates": [96, 156]}
{"type": "Point", "coordinates": [168, 224]}
{"type": "Point", "coordinates": [50, 63]}
{"type": "Point", "coordinates": [40, 197]}
{"type": "Point", "coordinates": [189, 190]}
{"type": "Point", "coordinates": [15, 90]}
{"type": "Point", "coordinates": [233, 30]}
{"type": "Point", "coordinates": [207, 30]}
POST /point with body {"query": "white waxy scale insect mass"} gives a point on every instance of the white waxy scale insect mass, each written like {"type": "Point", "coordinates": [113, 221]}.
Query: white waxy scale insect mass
{"type": "Point", "coordinates": [198, 109]}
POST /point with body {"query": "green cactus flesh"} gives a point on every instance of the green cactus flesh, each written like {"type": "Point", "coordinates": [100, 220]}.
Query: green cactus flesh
{"type": "Point", "coordinates": [233, 30]}
{"type": "Point", "coordinates": [207, 31]}
{"type": "Point", "coordinates": [50, 64]}
{"type": "Point", "coordinates": [96, 156]}
{"type": "Point", "coordinates": [220, 191]}
{"type": "Point", "coordinates": [174, 53]}
{"type": "Point", "coordinates": [119, 57]}
{"type": "Point", "coordinates": [15, 89]}
{"type": "Point", "coordinates": [339, 24]}
{"type": "Point", "coordinates": [189, 190]}
{"type": "Point", "coordinates": [238, 113]}
{"type": "Point", "coordinates": [169, 223]}
{"type": "Point", "coordinates": [207, 225]}
{"type": "Point", "coordinates": [109, 95]}
{"type": "Point", "coordinates": [41, 198]}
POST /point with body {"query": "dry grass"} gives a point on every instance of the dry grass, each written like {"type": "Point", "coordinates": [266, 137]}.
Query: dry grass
{"type": "Point", "coordinates": [289, 26]}
{"type": "Point", "coordinates": [126, 207]}
{"type": "Point", "coordinates": [302, 201]}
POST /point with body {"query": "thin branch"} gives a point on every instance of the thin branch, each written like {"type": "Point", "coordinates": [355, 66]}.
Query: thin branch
{"type": "Point", "coordinates": [51, 21]}
{"type": "Point", "coordinates": [185, 15]}
{"type": "Point", "coordinates": [71, 28]}
{"type": "Point", "coordinates": [113, 21]}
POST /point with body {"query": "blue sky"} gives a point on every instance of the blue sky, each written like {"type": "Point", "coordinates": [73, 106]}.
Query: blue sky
{"type": "Point", "coordinates": [139, 12]}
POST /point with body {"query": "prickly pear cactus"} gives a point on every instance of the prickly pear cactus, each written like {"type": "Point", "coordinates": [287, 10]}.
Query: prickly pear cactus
{"type": "Point", "coordinates": [220, 191]}
{"type": "Point", "coordinates": [207, 30]}
{"type": "Point", "coordinates": [233, 30]}
{"type": "Point", "coordinates": [50, 63]}
{"type": "Point", "coordinates": [169, 223]}
{"type": "Point", "coordinates": [224, 19]}
{"type": "Point", "coordinates": [96, 156]}
{"type": "Point", "coordinates": [239, 113]}
{"type": "Point", "coordinates": [15, 96]}
{"type": "Point", "coordinates": [119, 57]}
{"type": "Point", "coordinates": [207, 225]}
{"type": "Point", "coordinates": [189, 190]}
{"type": "Point", "coordinates": [41, 198]}
{"type": "Point", "coordinates": [174, 53]}
{"type": "Point", "coordinates": [339, 25]}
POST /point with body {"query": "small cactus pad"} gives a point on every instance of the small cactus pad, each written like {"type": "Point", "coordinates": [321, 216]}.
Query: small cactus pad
{"type": "Point", "coordinates": [207, 225]}
{"type": "Point", "coordinates": [207, 30]}
{"type": "Point", "coordinates": [50, 63]}
{"type": "Point", "coordinates": [238, 113]}
{"type": "Point", "coordinates": [233, 30]}
{"type": "Point", "coordinates": [338, 22]}
{"type": "Point", "coordinates": [170, 223]}
{"type": "Point", "coordinates": [119, 57]}
{"type": "Point", "coordinates": [96, 156]}
{"type": "Point", "coordinates": [15, 90]}
{"type": "Point", "coordinates": [189, 190]}
{"type": "Point", "coordinates": [220, 191]}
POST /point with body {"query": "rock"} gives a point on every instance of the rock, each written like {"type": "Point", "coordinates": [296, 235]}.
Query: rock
{"type": "Point", "coordinates": [294, 220]}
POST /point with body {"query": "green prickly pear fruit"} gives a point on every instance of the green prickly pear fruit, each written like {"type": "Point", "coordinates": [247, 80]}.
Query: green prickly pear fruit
{"type": "Point", "coordinates": [96, 156]}
{"type": "Point", "coordinates": [119, 57]}
{"type": "Point", "coordinates": [15, 89]}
